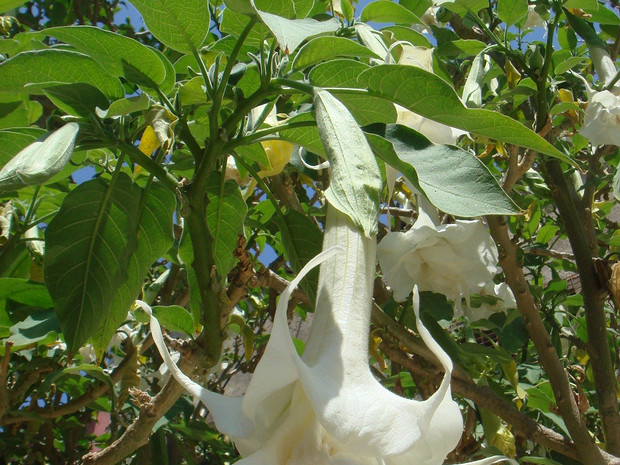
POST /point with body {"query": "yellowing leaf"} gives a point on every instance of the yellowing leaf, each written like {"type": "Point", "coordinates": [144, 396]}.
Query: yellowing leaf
{"type": "Point", "coordinates": [149, 141]}
{"type": "Point", "coordinates": [513, 76]}
{"type": "Point", "coordinates": [279, 154]}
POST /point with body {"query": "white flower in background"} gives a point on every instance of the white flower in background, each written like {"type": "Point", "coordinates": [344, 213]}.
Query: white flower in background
{"type": "Point", "coordinates": [326, 408]}
{"type": "Point", "coordinates": [601, 124]}
{"type": "Point", "coordinates": [452, 259]}
{"type": "Point", "coordinates": [88, 353]}
{"type": "Point", "coordinates": [533, 19]}
{"type": "Point", "coordinates": [506, 301]}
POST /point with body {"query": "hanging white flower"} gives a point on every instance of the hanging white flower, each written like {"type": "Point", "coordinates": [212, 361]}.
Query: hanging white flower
{"type": "Point", "coordinates": [533, 19]}
{"type": "Point", "coordinates": [452, 259]}
{"type": "Point", "coordinates": [601, 124]}
{"type": "Point", "coordinates": [326, 407]}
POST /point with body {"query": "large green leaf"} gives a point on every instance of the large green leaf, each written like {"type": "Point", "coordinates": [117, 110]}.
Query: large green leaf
{"type": "Point", "coordinates": [225, 214]}
{"type": "Point", "coordinates": [40, 161]}
{"type": "Point", "coordinates": [366, 109]}
{"type": "Point", "coordinates": [154, 238]}
{"type": "Point", "coordinates": [30, 72]}
{"type": "Point", "coordinates": [182, 25]}
{"type": "Point", "coordinates": [355, 179]}
{"type": "Point", "coordinates": [97, 247]}
{"type": "Point", "coordinates": [432, 97]}
{"type": "Point", "coordinates": [77, 99]}
{"type": "Point", "coordinates": [324, 48]}
{"type": "Point", "coordinates": [386, 11]}
{"type": "Point", "coordinates": [6, 5]}
{"type": "Point", "coordinates": [301, 239]}
{"type": "Point", "coordinates": [454, 180]}
{"type": "Point", "coordinates": [511, 11]}
{"type": "Point", "coordinates": [308, 137]}
{"type": "Point", "coordinates": [25, 292]}
{"type": "Point", "coordinates": [112, 51]}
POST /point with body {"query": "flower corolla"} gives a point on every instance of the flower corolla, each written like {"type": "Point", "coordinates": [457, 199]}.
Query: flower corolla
{"type": "Point", "coordinates": [601, 124]}
{"type": "Point", "coordinates": [533, 19]}
{"type": "Point", "coordinates": [325, 407]}
{"type": "Point", "coordinates": [452, 259]}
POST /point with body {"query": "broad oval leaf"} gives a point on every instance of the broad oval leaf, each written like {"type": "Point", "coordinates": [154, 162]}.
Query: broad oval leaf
{"type": "Point", "coordinates": [113, 51]}
{"type": "Point", "coordinates": [386, 11]}
{"type": "Point", "coordinates": [356, 182]}
{"type": "Point", "coordinates": [41, 160]}
{"type": "Point", "coordinates": [324, 48]}
{"type": "Point", "coordinates": [30, 72]}
{"type": "Point", "coordinates": [77, 99]}
{"type": "Point", "coordinates": [454, 180]}
{"type": "Point", "coordinates": [430, 96]}
{"type": "Point", "coordinates": [181, 25]}
{"type": "Point", "coordinates": [98, 249]}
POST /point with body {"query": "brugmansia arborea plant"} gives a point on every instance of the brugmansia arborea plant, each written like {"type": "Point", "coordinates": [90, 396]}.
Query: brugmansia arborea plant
{"type": "Point", "coordinates": [325, 407]}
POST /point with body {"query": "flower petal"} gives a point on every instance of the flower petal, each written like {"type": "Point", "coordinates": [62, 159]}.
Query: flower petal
{"type": "Point", "coordinates": [226, 411]}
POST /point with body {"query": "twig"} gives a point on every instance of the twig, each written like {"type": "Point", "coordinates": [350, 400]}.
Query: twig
{"type": "Point", "coordinates": [137, 434]}
{"type": "Point", "coordinates": [73, 405]}
{"type": "Point", "coordinates": [549, 253]}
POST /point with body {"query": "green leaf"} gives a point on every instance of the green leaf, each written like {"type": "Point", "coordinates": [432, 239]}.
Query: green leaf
{"type": "Point", "coordinates": [225, 215]}
{"type": "Point", "coordinates": [386, 11]}
{"type": "Point", "coordinates": [355, 179]}
{"type": "Point", "coordinates": [6, 5]}
{"type": "Point", "coordinates": [302, 240]}
{"type": "Point", "coordinates": [38, 327]}
{"type": "Point", "coordinates": [97, 249]}
{"type": "Point", "coordinates": [16, 139]}
{"type": "Point", "coordinates": [18, 111]}
{"type": "Point", "coordinates": [511, 11]}
{"type": "Point", "coordinates": [111, 50]}
{"type": "Point", "coordinates": [307, 137]}
{"type": "Point", "coordinates": [408, 35]}
{"type": "Point", "coordinates": [175, 318]}
{"type": "Point", "coordinates": [340, 72]}
{"type": "Point", "coordinates": [461, 48]}
{"type": "Point", "coordinates": [77, 99]}
{"type": "Point", "coordinates": [31, 72]}
{"type": "Point", "coordinates": [40, 161]}
{"type": "Point", "coordinates": [25, 292]}
{"type": "Point", "coordinates": [154, 238]}
{"type": "Point", "coordinates": [430, 96]}
{"type": "Point", "coordinates": [324, 48]}
{"type": "Point", "coordinates": [290, 33]}
{"type": "Point", "coordinates": [454, 180]}
{"type": "Point", "coordinates": [568, 64]}
{"type": "Point", "coordinates": [125, 106]}
{"type": "Point", "coordinates": [181, 25]}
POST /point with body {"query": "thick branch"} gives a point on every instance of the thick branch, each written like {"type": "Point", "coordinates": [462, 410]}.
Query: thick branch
{"type": "Point", "coordinates": [137, 434]}
{"type": "Point", "coordinates": [565, 398]}
{"type": "Point", "coordinates": [4, 377]}
{"type": "Point", "coordinates": [594, 295]}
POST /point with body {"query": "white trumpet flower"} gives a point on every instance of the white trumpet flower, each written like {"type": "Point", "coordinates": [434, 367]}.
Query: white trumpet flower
{"type": "Point", "coordinates": [325, 407]}
{"type": "Point", "coordinates": [452, 259]}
